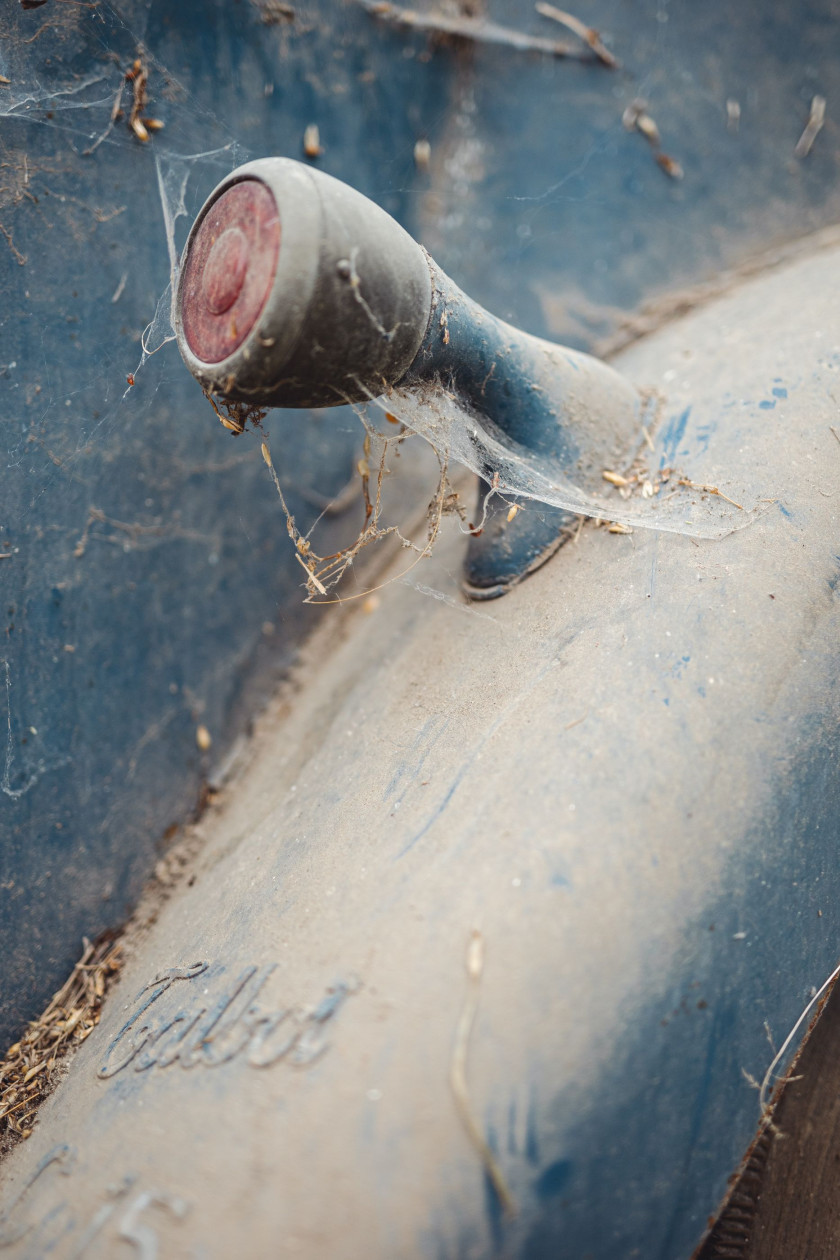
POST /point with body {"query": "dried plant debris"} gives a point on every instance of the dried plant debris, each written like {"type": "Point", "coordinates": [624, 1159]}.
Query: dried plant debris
{"type": "Point", "coordinates": [475, 29]}
{"type": "Point", "coordinates": [237, 415]}
{"type": "Point", "coordinates": [458, 1077]}
{"type": "Point", "coordinates": [422, 155]}
{"type": "Point", "coordinates": [706, 489]}
{"type": "Point", "coordinates": [138, 77]}
{"type": "Point", "coordinates": [637, 118]}
{"type": "Point", "coordinates": [733, 114]}
{"type": "Point", "coordinates": [312, 147]}
{"type": "Point", "coordinates": [670, 166]}
{"type": "Point", "coordinates": [815, 124]}
{"type": "Point", "coordinates": [140, 123]}
{"type": "Point", "coordinates": [273, 12]}
{"type": "Point", "coordinates": [632, 113]}
{"type": "Point", "coordinates": [29, 1070]}
{"type": "Point", "coordinates": [323, 573]}
{"type": "Point", "coordinates": [641, 481]}
{"type": "Point", "coordinates": [587, 33]}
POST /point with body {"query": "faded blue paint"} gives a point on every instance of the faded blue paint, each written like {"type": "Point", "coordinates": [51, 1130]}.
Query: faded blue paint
{"type": "Point", "coordinates": [512, 1145]}
{"type": "Point", "coordinates": [779, 392]}
{"type": "Point", "coordinates": [532, 1142]}
{"type": "Point", "coordinates": [704, 434]}
{"type": "Point", "coordinates": [642, 1154]}
{"type": "Point", "coordinates": [467, 765]}
{"type": "Point", "coordinates": [720, 1026]}
{"type": "Point", "coordinates": [555, 1178]}
{"type": "Point", "coordinates": [673, 434]}
{"type": "Point", "coordinates": [412, 769]}
{"type": "Point", "coordinates": [629, 1143]}
{"type": "Point", "coordinates": [767, 404]}
{"type": "Point", "coordinates": [678, 668]}
{"type": "Point", "coordinates": [492, 1204]}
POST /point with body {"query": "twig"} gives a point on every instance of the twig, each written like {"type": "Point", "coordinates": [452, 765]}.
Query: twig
{"type": "Point", "coordinates": [636, 118]}
{"type": "Point", "coordinates": [20, 259]}
{"type": "Point", "coordinates": [458, 1075]}
{"type": "Point", "coordinates": [17, 1107]}
{"type": "Point", "coordinates": [670, 166]}
{"type": "Point", "coordinates": [813, 127]}
{"type": "Point", "coordinates": [696, 485]}
{"type": "Point", "coordinates": [479, 30]}
{"type": "Point", "coordinates": [570, 725]}
{"type": "Point", "coordinates": [587, 33]}
{"type": "Point", "coordinates": [116, 110]}
{"type": "Point", "coordinates": [834, 431]}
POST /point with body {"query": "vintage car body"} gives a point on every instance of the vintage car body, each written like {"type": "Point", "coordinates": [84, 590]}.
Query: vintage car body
{"type": "Point", "coordinates": [623, 775]}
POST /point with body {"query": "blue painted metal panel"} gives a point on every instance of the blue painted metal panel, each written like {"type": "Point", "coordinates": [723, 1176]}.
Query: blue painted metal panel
{"type": "Point", "coordinates": [146, 549]}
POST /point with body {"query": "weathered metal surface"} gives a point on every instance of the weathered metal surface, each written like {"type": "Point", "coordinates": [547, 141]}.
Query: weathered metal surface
{"type": "Point", "coordinates": [150, 588]}
{"type": "Point", "coordinates": [626, 778]}
{"type": "Point", "coordinates": [138, 535]}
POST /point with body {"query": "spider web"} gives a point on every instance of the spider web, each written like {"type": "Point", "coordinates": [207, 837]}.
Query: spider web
{"type": "Point", "coordinates": [92, 48]}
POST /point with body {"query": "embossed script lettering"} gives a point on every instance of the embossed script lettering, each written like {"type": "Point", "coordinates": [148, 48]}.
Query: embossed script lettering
{"type": "Point", "coordinates": [209, 1033]}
